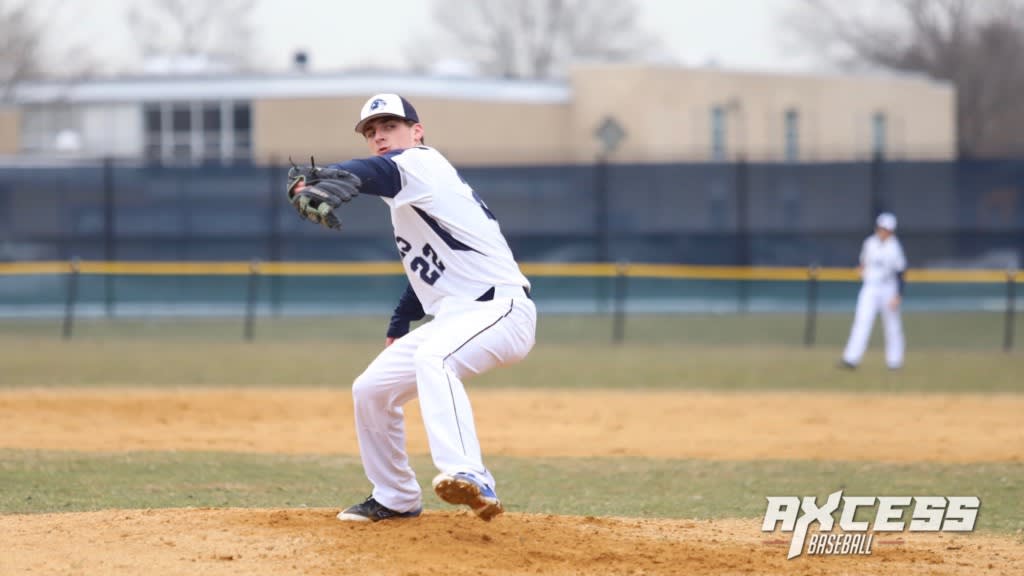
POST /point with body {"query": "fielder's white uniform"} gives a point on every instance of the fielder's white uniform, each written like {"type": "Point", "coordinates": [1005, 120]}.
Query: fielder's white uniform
{"type": "Point", "coordinates": [883, 266]}
{"type": "Point", "coordinates": [462, 272]}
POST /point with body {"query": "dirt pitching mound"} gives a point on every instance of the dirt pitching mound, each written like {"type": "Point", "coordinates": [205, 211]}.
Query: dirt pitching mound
{"type": "Point", "coordinates": [273, 542]}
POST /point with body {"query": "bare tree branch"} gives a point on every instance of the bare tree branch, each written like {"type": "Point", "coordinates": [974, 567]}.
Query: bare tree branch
{"type": "Point", "coordinates": [219, 31]}
{"type": "Point", "coordinates": [975, 45]}
{"type": "Point", "coordinates": [539, 38]}
{"type": "Point", "coordinates": [19, 48]}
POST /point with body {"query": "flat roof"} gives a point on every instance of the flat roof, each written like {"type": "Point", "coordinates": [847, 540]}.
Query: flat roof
{"type": "Point", "coordinates": [292, 85]}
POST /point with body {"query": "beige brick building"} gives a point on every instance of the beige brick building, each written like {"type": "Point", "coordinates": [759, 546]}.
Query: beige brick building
{"type": "Point", "coordinates": [668, 114]}
{"type": "Point", "coordinates": [9, 130]}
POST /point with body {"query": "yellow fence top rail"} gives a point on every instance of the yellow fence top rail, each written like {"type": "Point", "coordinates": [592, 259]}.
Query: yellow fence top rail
{"type": "Point", "coordinates": [536, 269]}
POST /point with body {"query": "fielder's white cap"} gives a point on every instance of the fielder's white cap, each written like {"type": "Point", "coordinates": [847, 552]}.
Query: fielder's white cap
{"type": "Point", "coordinates": [886, 220]}
{"type": "Point", "coordinates": [386, 105]}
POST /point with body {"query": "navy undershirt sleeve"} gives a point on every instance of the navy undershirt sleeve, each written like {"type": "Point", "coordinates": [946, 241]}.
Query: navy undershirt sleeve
{"type": "Point", "coordinates": [409, 309]}
{"type": "Point", "coordinates": [379, 174]}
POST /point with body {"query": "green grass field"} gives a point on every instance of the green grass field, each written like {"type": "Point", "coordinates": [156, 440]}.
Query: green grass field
{"type": "Point", "coordinates": [68, 482]}
{"type": "Point", "coordinates": [958, 330]}
{"type": "Point", "coordinates": [950, 353]}
{"type": "Point", "coordinates": [946, 353]}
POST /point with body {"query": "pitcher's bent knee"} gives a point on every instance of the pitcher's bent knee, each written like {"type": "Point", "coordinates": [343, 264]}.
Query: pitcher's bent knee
{"type": "Point", "coordinates": [366, 388]}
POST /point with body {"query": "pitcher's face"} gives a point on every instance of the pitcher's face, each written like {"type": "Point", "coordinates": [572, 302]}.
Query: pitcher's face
{"type": "Point", "coordinates": [391, 133]}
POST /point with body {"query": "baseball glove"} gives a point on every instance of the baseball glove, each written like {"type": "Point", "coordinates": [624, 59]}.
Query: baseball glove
{"type": "Point", "coordinates": [316, 192]}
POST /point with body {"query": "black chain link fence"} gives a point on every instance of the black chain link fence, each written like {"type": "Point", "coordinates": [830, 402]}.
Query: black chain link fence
{"type": "Point", "coordinates": [962, 214]}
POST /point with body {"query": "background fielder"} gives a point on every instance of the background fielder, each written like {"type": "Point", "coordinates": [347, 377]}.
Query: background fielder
{"type": "Point", "coordinates": [462, 272]}
{"type": "Point", "coordinates": [882, 265]}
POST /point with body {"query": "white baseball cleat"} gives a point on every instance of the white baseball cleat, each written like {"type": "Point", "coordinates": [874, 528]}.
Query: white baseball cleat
{"type": "Point", "coordinates": [463, 488]}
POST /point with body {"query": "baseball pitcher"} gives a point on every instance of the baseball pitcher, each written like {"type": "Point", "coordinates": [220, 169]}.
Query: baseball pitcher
{"type": "Point", "coordinates": [462, 273]}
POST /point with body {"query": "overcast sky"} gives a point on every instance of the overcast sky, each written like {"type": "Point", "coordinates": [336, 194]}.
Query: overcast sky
{"type": "Point", "coordinates": [346, 33]}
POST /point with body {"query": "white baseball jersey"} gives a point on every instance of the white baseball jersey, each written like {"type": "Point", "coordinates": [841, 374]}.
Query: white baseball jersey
{"type": "Point", "coordinates": [882, 260]}
{"type": "Point", "coordinates": [449, 241]}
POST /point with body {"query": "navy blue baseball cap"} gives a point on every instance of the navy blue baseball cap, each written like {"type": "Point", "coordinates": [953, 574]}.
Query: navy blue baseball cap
{"type": "Point", "coordinates": [386, 105]}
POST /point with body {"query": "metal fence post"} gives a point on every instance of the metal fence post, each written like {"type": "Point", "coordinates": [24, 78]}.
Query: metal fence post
{"type": "Point", "coordinates": [876, 201]}
{"type": "Point", "coordinates": [609, 134]}
{"type": "Point", "coordinates": [621, 287]}
{"type": "Point", "coordinates": [109, 232]}
{"type": "Point", "coordinates": [72, 296]}
{"type": "Point", "coordinates": [602, 224]}
{"type": "Point", "coordinates": [810, 327]}
{"type": "Point", "coordinates": [250, 300]}
{"type": "Point", "coordinates": [275, 179]}
{"type": "Point", "coordinates": [743, 255]}
{"type": "Point", "coordinates": [1011, 309]}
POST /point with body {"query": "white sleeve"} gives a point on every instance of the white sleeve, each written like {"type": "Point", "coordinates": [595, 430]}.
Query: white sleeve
{"type": "Point", "coordinates": [415, 167]}
{"type": "Point", "coordinates": [864, 251]}
{"type": "Point", "coordinates": [900, 263]}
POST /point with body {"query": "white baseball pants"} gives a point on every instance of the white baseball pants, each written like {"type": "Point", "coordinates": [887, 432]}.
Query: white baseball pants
{"type": "Point", "coordinates": [463, 339]}
{"type": "Point", "coordinates": [872, 299]}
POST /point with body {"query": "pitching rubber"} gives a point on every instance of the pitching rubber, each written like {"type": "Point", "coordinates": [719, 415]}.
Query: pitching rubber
{"type": "Point", "coordinates": [463, 492]}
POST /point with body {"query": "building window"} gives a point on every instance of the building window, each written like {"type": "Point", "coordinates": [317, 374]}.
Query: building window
{"type": "Point", "coordinates": [878, 135]}
{"type": "Point", "coordinates": [181, 133]}
{"type": "Point", "coordinates": [197, 132]}
{"type": "Point", "coordinates": [41, 126]}
{"type": "Point", "coordinates": [792, 135]}
{"type": "Point", "coordinates": [212, 149]}
{"type": "Point", "coordinates": [718, 134]}
{"type": "Point", "coordinates": [242, 127]}
{"type": "Point", "coordinates": [152, 125]}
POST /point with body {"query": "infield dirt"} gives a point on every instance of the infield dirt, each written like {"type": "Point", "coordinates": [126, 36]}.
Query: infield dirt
{"type": "Point", "coordinates": [514, 423]}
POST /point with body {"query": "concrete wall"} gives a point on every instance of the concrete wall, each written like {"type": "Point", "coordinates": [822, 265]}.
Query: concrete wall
{"type": "Point", "coordinates": [9, 130]}
{"type": "Point", "coordinates": [467, 131]}
{"type": "Point", "coordinates": [666, 113]}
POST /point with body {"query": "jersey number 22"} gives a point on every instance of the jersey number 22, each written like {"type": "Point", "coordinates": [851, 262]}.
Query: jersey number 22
{"type": "Point", "coordinates": [429, 271]}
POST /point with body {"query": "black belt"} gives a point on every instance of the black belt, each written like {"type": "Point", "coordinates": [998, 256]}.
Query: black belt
{"type": "Point", "coordinates": [489, 295]}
